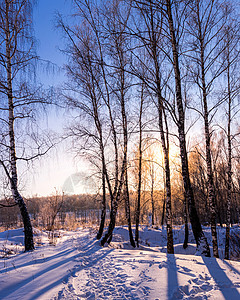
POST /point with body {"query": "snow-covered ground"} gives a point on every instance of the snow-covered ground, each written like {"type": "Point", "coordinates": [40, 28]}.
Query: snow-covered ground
{"type": "Point", "coordinates": [75, 266]}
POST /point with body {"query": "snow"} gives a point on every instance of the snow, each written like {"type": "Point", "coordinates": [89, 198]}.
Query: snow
{"type": "Point", "coordinates": [73, 265]}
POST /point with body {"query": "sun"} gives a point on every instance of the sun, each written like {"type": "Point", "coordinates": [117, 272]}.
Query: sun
{"type": "Point", "coordinates": [154, 153]}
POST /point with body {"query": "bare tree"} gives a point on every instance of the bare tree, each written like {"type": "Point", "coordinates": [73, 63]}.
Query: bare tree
{"type": "Point", "coordinates": [140, 157]}
{"type": "Point", "coordinates": [172, 25]}
{"type": "Point", "coordinates": [117, 20]}
{"type": "Point", "coordinates": [50, 208]}
{"type": "Point", "coordinates": [16, 59]}
{"type": "Point", "coordinates": [84, 73]}
{"type": "Point", "coordinates": [231, 59]}
{"type": "Point", "coordinates": [150, 36]}
{"type": "Point", "coordinates": [98, 71]}
{"type": "Point", "coordinates": [206, 22]}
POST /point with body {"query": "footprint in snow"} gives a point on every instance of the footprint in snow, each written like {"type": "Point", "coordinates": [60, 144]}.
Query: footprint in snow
{"type": "Point", "coordinates": [185, 271]}
{"type": "Point", "coordinates": [163, 264]}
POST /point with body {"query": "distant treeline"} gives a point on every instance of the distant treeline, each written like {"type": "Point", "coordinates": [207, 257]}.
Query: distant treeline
{"type": "Point", "coordinates": [56, 211]}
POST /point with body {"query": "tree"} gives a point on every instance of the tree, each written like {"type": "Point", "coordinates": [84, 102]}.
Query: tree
{"type": "Point", "coordinates": [117, 19]}
{"type": "Point", "coordinates": [201, 240]}
{"type": "Point", "coordinates": [207, 20]}
{"type": "Point", "coordinates": [16, 57]}
{"type": "Point", "coordinates": [231, 59]}
{"type": "Point", "coordinates": [151, 37]}
{"type": "Point", "coordinates": [22, 100]}
{"type": "Point", "coordinates": [99, 88]}
{"type": "Point", "coordinates": [50, 208]}
{"type": "Point", "coordinates": [198, 176]}
{"type": "Point", "coordinates": [85, 80]}
{"type": "Point", "coordinates": [139, 158]}
{"type": "Point", "coordinates": [205, 26]}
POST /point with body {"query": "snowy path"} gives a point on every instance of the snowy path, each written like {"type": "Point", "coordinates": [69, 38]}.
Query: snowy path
{"type": "Point", "coordinates": [38, 274]}
{"type": "Point", "coordinates": [78, 268]}
{"type": "Point", "coordinates": [108, 273]}
{"type": "Point", "coordinates": [102, 274]}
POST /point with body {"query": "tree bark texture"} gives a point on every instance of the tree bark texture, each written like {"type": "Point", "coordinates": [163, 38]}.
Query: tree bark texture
{"type": "Point", "coordinates": [138, 206]}
{"type": "Point", "coordinates": [152, 194]}
{"type": "Point", "coordinates": [103, 211]}
{"type": "Point", "coordinates": [211, 192]}
{"type": "Point", "coordinates": [152, 44]}
{"type": "Point", "coordinates": [13, 177]}
{"type": "Point", "coordinates": [123, 177]}
{"type": "Point", "coordinates": [229, 170]}
{"type": "Point", "coordinates": [128, 212]}
{"type": "Point", "coordinates": [185, 243]}
{"type": "Point", "coordinates": [201, 241]}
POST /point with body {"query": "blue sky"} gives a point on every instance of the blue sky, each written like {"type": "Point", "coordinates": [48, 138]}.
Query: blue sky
{"type": "Point", "coordinates": [48, 36]}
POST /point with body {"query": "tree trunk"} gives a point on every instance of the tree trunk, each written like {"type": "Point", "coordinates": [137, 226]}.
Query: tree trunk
{"type": "Point", "coordinates": [119, 57]}
{"type": "Point", "coordinates": [125, 138]}
{"type": "Point", "coordinates": [211, 192]}
{"type": "Point", "coordinates": [163, 210]}
{"type": "Point", "coordinates": [170, 248]}
{"type": "Point", "coordinates": [201, 241]}
{"type": "Point", "coordinates": [108, 236]}
{"type": "Point", "coordinates": [113, 213]}
{"type": "Point", "coordinates": [115, 200]}
{"type": "Point", "coordinates": [229, 172]}
{"type": "Point", "coordinates": [165, 146]}
{"type": "Point", "coordinates": [163, 134]}
{"type": "Point", "coordinates": [137, 212]}
{"type": "Point", "coordinates": [128, 212]}
{"type": "Point", "coordinates": [185, 243]}
{"type": "Point", "coordinates": [103, 212]}
{"type": "Point", "coordinates": [152, 193]}
{"type": "Point", "coordinates": [28, 232]}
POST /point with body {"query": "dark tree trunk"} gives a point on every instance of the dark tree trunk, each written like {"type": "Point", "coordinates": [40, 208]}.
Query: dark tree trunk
{"type": "Point", "coordinates": [12, 175]}
{"type": "Point", "coordinates": [229, 171]}
{"type": "Point", "coordinates": [165, 146]}
{"type": "Point", "coordinates": [163, 210]}
{"type": "Point", "coordinates": [113, 214]}
{"type": "Point", "coordinates": [185, 243]}
{"type": "Point", "coordinates": [95, 113]}
{"type": "Point", "coordinates": [201, 241]}
{"type": "Point", "coordinates": [28, 232]}
{"type": "Point", "coordinates": [108, 236]}
{"type": "Point", "coordinates": [137, 212]}
{"type": "Point", "coordinates": [152, 194]}
{"type": "Point", "coordinates": [103, 212]}
{"type": "Point", "coordinates": [211, 192]}
{"type": "Point", "coordinates": [163, 133]}
{"type": "Point", "coordinates": [125, 137]}
{"type": "Point", "coordinates": [128, 212]}
{"type": "Point", "coordinates": [119, 56]}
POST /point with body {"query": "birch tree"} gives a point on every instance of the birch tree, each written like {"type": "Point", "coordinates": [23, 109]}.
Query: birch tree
{"type": "Point", "coordinates": [173, 29]}
{"type": "Point", "coordinates": [22, 100]}
{"type": "Point", "coordinates": [140, 159]}
{"type": "Point", "coordinates": [84, 73]}
{"type": "Point", "coordinates": [97, 51]}
{"type": "Point", "coordinates": [117, 19]}
{"type": "Point", "coordinates": [206, 22]}
{"type": "Point", "coordinates": [149, 32]}
{"type": "Point", "coordinates": [232, 79]}
{"type": "Point", "coordinates": [16, 57]}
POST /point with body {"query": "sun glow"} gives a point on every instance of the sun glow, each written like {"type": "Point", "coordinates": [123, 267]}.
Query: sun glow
{"type": "Point", "coordinates": [154, 153]}
{"type": "Point", "coordinates": [154, 166]}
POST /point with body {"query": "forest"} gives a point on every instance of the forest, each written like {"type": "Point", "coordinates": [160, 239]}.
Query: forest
{"type": "Point", "coordinates": [152, 99]}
